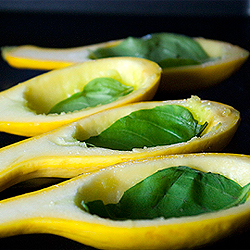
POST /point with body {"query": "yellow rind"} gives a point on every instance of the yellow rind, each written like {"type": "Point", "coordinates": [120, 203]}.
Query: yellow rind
{"type": "Point", "coordinates": [61, 152]}
{"type": "Point", "coordinates": [56, 210]}
{"type": "Point", "coordinates": [186, 78]}
{"type": "Point", "coordinates": [23, 108]}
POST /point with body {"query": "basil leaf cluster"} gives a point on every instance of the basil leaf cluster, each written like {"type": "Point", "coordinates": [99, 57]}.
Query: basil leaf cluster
{"type": "Point", "coordinates": [162, 125]}
{"type": "Point", "coordinates": [173, 192]}
{"type": "Point", "coordinates": [98, 91]}
{"type": "Point", "coordinates": [166, 49]}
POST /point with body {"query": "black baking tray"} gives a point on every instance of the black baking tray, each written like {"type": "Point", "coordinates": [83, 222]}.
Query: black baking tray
{"type": "Point", "coordinates": [71, 30]}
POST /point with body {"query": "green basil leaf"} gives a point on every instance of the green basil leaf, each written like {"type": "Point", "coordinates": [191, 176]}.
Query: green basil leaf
{"type": "Point", "coordinates": [173, 192]}
{"type": "Point", "coordinates": [158, 47]}
{"type": "Point", "coordinates": [99, 91]}
{"type": "Point", "coordinates": [162, 125]}
{"type": "Point", "coordinates": [135, 47]}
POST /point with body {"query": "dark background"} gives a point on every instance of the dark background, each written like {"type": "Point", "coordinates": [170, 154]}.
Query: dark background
{"type": "Point", "coordinates": [77, 23]}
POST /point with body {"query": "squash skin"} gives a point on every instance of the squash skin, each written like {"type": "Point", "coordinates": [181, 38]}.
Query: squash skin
{"type": "Point", "coordinates": [24, 107]}
{"type": "Point", "coordinates": [56, 210]}
{"type": "Point", "coordinates": [178, 79]}
{"type": "Point", "coordinates": [60, 152]}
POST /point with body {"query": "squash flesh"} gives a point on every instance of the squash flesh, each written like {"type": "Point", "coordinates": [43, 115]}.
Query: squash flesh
{"type": "Point", "coordinates": [55, 209]}
{"type": "Point", "coordinates": [65, 144]}
{"type": "Point", "coordinates": [181, 79]}
{"type": "Point", "coordinates": [24, 106]}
